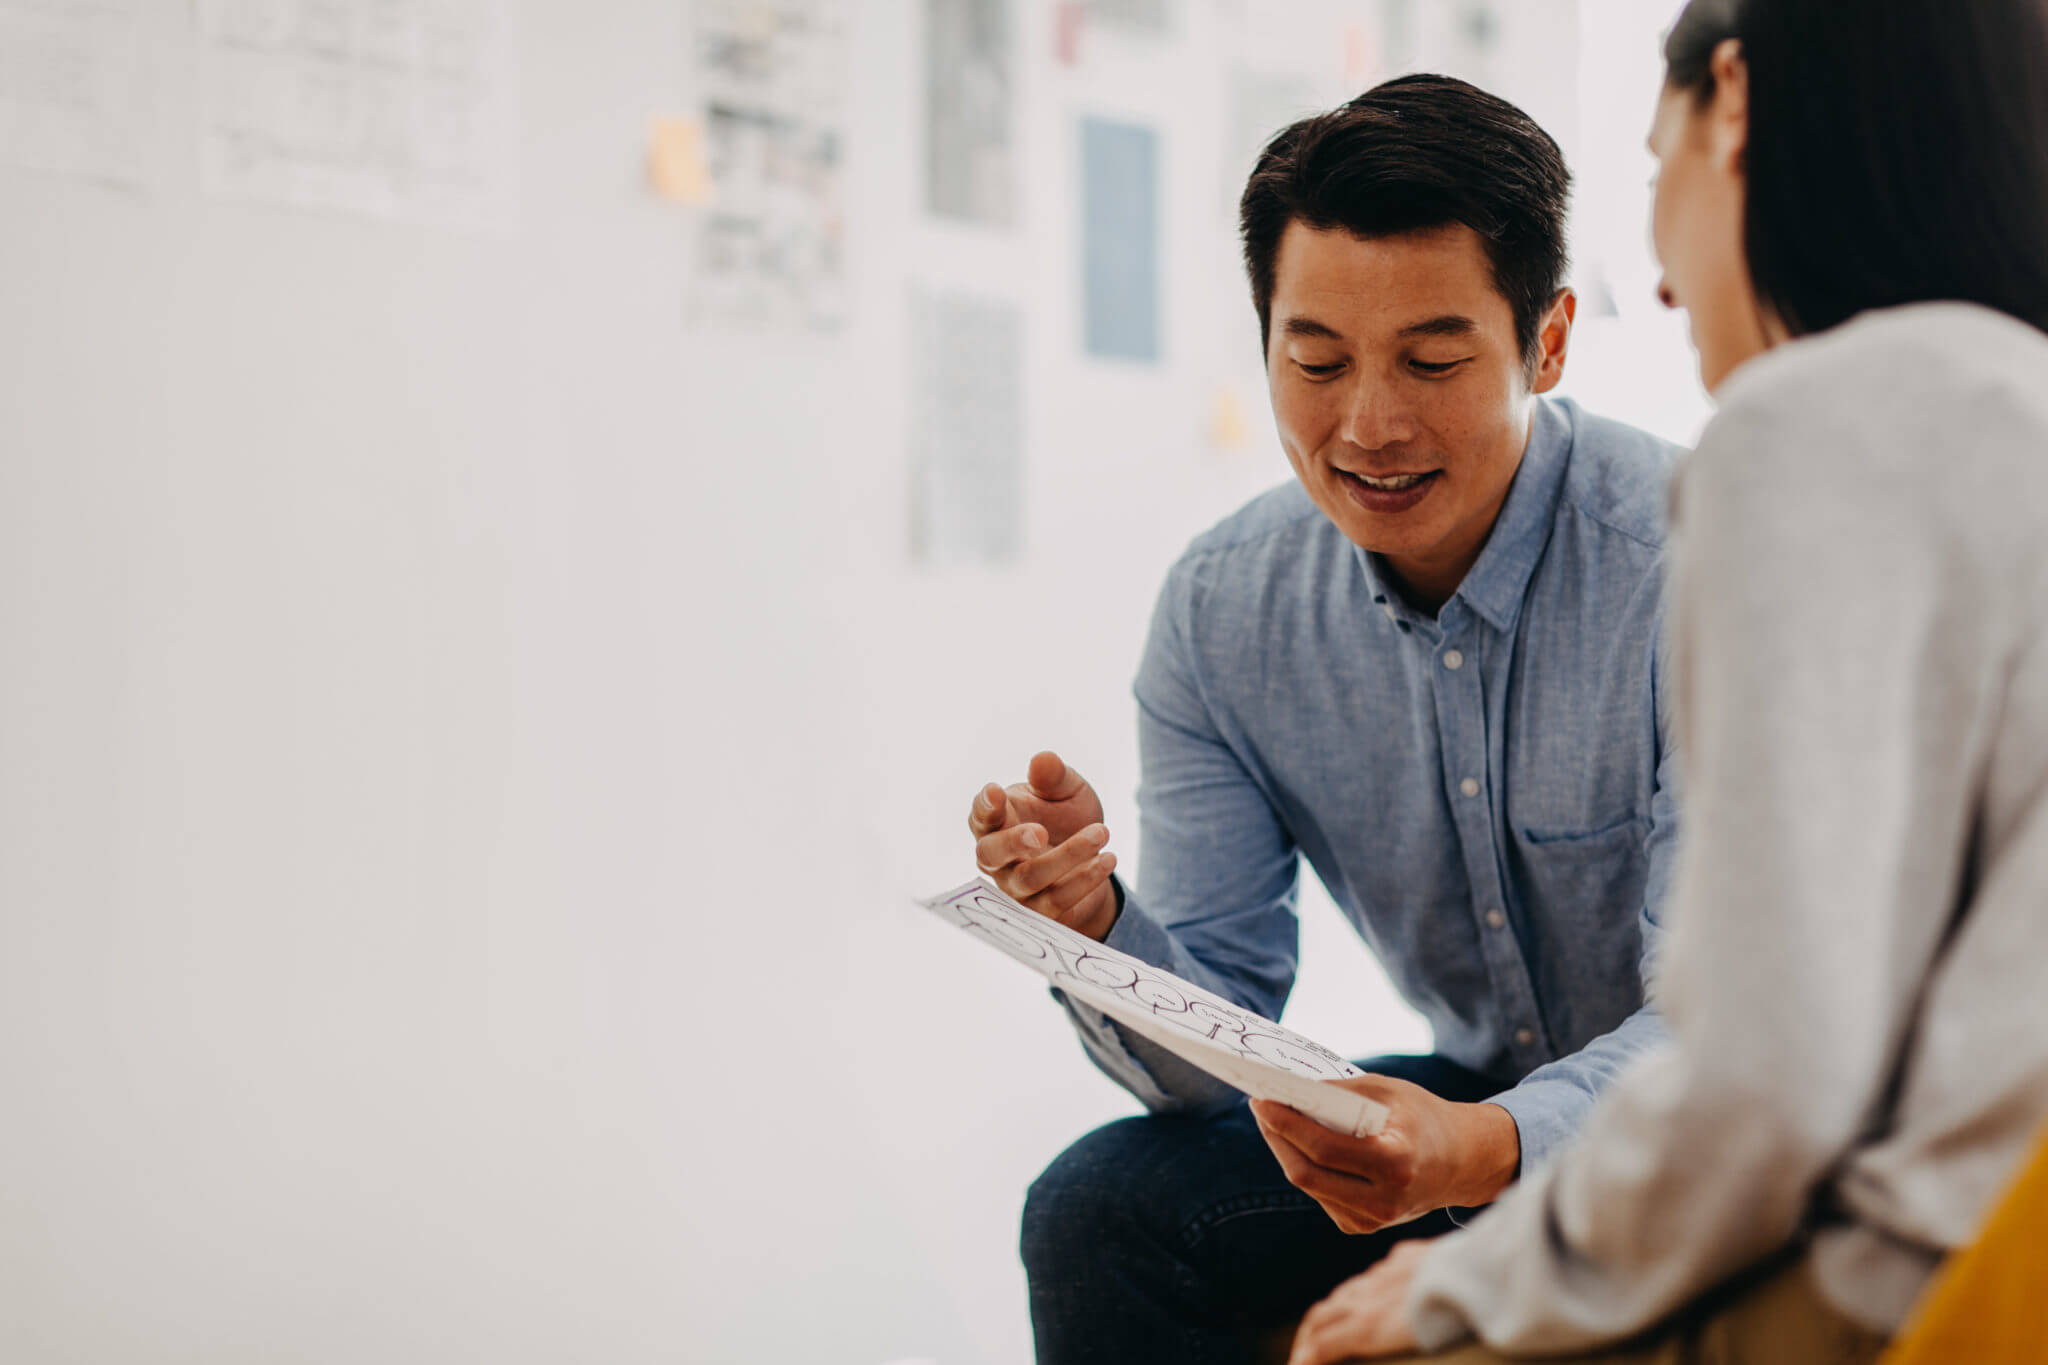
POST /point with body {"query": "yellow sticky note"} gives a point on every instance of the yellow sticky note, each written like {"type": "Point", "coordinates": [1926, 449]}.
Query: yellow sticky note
{"type": "Point", "coordinates": [676, 167]}
{"type": "Point", "coordinates": [1227, 427]}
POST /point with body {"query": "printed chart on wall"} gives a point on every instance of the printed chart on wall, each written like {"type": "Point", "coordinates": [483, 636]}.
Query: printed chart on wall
{"type": "Point", "coordinates": [770, 244]}
{"type": "Point", "coordinates": [400, 109]}
{"type": "Point", "coordinates": [74, 89]}
{"type": "Point", "coordinates": [1240, 1048]}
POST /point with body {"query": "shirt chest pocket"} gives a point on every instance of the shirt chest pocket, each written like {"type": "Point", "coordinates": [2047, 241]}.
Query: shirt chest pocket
{"type": "Point", "coordinates": [1592, 877]}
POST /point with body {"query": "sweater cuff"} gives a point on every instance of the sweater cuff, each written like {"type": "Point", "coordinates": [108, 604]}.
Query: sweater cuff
{"type": "Point", "coordinates": [1436, 1324]}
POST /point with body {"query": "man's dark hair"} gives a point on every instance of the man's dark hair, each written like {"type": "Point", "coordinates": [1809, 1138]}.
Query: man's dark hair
{"type": "Point", "coordinates": [1416, 153]}
{"type": "Point", "coordinates": [1897, 150]}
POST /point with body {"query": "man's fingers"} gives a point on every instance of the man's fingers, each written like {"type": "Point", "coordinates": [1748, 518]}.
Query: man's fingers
{"type": "Point", "coordinates": [1075, 889]}
{"type": "Point", "coordinates": [1051, 778]}
{"type": "Point", "coordinates": [989, 811]}
{"type": "Point", "coordinates": [1048, 869]}
{"type": "Point", "coordinates": [1354, 1202]}
{"type": "Point", "coordinates": [1004, 849]}
{"type": "Point", "coordinates": [1326, 1146]}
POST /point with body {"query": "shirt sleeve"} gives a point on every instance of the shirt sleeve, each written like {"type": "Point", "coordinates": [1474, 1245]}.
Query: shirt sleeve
{"type": "Point", "coordinates": [1552, 1103]}
{"type": "Point", "coordinates": [1830, 714]}
{"type": "Point", "coordinates": [1217, 870]}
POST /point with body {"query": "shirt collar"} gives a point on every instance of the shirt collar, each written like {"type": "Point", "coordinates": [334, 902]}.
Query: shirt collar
{"type": "Point", "coordinates": [1499, 579]}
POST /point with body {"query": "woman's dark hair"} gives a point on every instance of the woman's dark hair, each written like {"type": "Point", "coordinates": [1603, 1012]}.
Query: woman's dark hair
{"type": "Point", "coordinates": [1416, 153]}
{"type": "Point", "coordinates": [1897, 150]}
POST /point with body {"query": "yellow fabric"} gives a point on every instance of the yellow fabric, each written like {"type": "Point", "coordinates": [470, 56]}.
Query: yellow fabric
{"type": "Point", "coordinates": [1990, 1301]}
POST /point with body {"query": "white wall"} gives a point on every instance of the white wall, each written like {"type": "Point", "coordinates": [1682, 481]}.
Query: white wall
{"type": "Point", "coordinates": [467, 739]}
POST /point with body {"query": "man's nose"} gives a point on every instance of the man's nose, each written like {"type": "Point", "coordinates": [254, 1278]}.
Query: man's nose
{"type": "Point", "coordinates": [1377, 417]}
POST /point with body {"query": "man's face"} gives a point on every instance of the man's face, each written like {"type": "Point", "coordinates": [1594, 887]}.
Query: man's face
{"type": "Point", "coordinates": [1400, 392]}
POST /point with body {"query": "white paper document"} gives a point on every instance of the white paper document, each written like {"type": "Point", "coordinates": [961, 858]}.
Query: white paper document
{"type": "Point", "coordinates": [74, 89]}
{"type": "Point", "coordinates": [1232, 1044]}
{"type": "Point", "coordinates": [401, 109]}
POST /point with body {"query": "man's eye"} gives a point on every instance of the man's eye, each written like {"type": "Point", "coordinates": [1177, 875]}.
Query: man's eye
{"type": "Point", "coordinates": [1318, 371]}
{"type": "Point", "coordinates": [1426, 367]}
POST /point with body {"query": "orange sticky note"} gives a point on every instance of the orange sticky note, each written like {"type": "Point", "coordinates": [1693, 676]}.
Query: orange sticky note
{"type": "Point", "coordinates": [676, 167]}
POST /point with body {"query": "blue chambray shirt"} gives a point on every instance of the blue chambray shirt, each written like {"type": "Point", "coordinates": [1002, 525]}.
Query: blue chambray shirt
{"type": "Point", "coordinates": [1488, 795]}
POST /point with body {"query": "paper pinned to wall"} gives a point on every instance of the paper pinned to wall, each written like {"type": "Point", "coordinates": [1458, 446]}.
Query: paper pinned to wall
{"type": "Point", "coordinates": [970, 167]}
{"type": "Point", "coordinates": [401, 109]}
{"type": "Point", "coordinates": [770, 251]}
{"type": "Point", "coordinates": [1261, 103]}
{"type": "Point", "coordinates": [966, 430]}
{"type": "Point", "coordinates": [1150, 18]}
{"type": "Point", "coordinates": [1120, 239]}
{"type": "Point", "coordinates": [74, 89]}
{"type": "Point", "coordinates": [1236, 1046]}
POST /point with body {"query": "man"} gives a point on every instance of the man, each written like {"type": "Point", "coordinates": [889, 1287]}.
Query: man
{"type": "Point", "coordinates": [1430, 666]}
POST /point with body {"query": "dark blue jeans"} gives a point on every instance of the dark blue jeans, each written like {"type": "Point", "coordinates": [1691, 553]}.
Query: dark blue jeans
{"type": "Point", "coordinates": [1178, 1239]}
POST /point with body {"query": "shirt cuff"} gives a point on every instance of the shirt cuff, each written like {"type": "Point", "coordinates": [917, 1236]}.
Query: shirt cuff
{"type": "Point", "coordinates": [1547, 1114]}
{"type": "Point", "coordinates": [1138, 934]}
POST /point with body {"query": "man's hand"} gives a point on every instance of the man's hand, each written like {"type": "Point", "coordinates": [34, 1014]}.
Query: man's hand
{"type": "Point", "coordinates": [1043, 843]}
{"type": "Point", "coordinates": [1367, 1315]}
{"type": "Point", "coordinates": [1433, 1153]}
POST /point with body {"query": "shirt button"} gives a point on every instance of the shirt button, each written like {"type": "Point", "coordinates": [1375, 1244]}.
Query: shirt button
{"type": "Point", "coordinates": [1453, 660]}
{"type": "Point", "coordinates": [1495, 919]}
{"type": "Point", "coordinates": [1525, 1036]}
{"type": "Point", "coordinates": [1470, 786]}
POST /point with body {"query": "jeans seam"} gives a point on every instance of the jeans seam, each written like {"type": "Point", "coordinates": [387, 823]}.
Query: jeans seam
{"type": "Point", "coordinates": [1272, 1201]}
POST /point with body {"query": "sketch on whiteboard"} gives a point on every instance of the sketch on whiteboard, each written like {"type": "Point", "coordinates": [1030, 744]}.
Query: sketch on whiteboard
{"type": "Point", "coordinates": [970, 170]}
{"type": "Point", "coordinates": [770, 247]}
{"type": "Point", "coordinates": [74, 89]}
{"type": "Point", "coordinates": [402, 109]}
{"type": "Point", "coordinates": [1233, 1044]}
{"type": "Point", "coordinates": [966, 430]}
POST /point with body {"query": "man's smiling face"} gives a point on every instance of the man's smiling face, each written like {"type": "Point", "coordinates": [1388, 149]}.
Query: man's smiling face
{"type": "Point", "coordinates": [1401, 394]}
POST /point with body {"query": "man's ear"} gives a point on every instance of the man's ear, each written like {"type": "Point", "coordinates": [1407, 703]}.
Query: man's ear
{"type": "Point", "coordinates": [1728, 116]}
{"type": "Point", "coordinates": [1553, 339]}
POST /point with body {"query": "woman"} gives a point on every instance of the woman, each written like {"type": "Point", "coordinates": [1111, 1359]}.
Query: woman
{"type": "Point", "coordinates": [1852, 206]}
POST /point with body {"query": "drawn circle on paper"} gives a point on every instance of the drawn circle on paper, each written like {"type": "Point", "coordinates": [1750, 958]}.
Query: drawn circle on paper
{"type": "Point", "coordinates": [1288, 1054]}
{"type": "Point", "coordinates": [1007, 932]}
{"type": "Point", "coordinates": [1159, 996]}
{"type": "Point", "coordinates": [1106, 972]}
{"type": "Point", "coordinates": [1213, 1021]}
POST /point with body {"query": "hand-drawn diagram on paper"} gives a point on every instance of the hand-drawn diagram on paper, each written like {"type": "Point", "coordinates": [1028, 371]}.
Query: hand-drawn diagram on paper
{"type": "Point", "coordinates": [402, 109]}
{"type": "Point", "coordinates": [1236, 1046]}
{"type": "Point", "coordinates": [966, 430]}
{"type": "Point", "coordinates": [73, 88]}
{"type": "Point", "coordinates": [771, 243]}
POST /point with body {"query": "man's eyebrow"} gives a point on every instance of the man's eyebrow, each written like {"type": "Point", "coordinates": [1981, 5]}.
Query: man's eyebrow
{"type": "Point", "coordinates": [1448, 325]}
{"type": "Point", "coordinates": [1308, 327]}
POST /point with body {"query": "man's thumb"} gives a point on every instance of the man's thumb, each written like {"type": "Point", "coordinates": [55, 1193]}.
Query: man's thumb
{"type": "Point", "coordinates": [1051, 778]}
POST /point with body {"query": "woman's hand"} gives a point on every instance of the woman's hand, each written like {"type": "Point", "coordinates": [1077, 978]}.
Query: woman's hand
{"type": "Point", "coordinates": [1366, 1315]}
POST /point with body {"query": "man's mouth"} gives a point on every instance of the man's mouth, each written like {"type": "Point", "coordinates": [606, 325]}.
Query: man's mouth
{"type": "Point", "coordinates": [1387, 494]}
{"type": "Point", "coordinates": [1392, 483]}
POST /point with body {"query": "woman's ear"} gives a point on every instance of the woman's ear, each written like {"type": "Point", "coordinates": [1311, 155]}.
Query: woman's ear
{"type": "Point", "coordinates": [1728, 117]}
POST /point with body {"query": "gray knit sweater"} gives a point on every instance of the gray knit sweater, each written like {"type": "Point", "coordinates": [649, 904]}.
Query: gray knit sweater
{"type": "Point", "coordinates": [1857, 974]}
